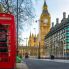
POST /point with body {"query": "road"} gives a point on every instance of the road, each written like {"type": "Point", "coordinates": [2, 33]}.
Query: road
{"type": "Point", "coordinates": [42, 64]}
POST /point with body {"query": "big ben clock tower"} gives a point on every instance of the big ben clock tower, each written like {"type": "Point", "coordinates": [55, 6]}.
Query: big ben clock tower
{"type": "Point", "coordinates": [45, 20]}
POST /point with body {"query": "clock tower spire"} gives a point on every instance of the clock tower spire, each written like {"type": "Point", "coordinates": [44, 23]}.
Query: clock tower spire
{"type": "Point", "coordinates": [45, 8]}
{"type": "Point", "coordinates": [45, 20]}
{"type": "Point", "coordinates": [45, 5]}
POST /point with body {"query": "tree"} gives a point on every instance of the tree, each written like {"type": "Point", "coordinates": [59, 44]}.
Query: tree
{"type": "Point", "coordinates": [25, 13]}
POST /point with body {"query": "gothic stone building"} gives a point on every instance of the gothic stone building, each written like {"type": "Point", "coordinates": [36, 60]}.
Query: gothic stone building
{"type": "Point", "coordinates": [57, 40]}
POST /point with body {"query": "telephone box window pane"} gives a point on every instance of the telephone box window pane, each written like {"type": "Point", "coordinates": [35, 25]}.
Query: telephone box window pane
{"type": "Point", "coordinates": [3, 38]}
{"type": "Point", "coordinates": [3, 49]}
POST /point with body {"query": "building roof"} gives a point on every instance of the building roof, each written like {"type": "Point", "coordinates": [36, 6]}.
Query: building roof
{"type": "Point", "coordinates": [58, 27]}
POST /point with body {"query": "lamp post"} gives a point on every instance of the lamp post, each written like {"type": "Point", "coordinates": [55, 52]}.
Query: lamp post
{"type": "Point", "coordinates": [22, 49]}
{"type": "Point", "coordinates": [39, 51]}
{"type": "Point", "coordinates": [34, 37]}
{"type": "Point", "coordinates": [38, 40]}
{"type": "Point", "coordinates": [26, 54]}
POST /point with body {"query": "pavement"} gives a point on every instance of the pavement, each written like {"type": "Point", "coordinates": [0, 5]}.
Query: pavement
{"type": "Point", "coordinates": [21, 65]}
{"type": "Point", "coordinates": [56, 60]}
{"type": "Point", "coordinates": [46, 64]}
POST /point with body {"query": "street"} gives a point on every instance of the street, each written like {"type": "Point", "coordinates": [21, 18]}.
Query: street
{"type": "Point", "coordinates": [42, 64]}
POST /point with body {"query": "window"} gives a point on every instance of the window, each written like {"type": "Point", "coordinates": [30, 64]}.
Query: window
{"type": "Point", "coordinates": [3, 38]}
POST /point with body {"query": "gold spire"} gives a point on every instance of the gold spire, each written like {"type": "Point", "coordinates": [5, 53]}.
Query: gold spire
{"type": "Point", "coordinates": [45, 8]}
{"type": "Point", "coordinates": [45, 5]}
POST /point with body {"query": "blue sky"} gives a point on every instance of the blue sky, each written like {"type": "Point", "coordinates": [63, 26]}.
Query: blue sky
{"type": "Point", "coordinates": [55, 8]}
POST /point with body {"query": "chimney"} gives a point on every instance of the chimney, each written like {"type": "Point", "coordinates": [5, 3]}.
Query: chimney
{"type": "Point", "coordinates": [64, 15]}
{"type": "Point", "coordinates": [57, 20]}
{"type": "Point", "coordinates": [52, 24]}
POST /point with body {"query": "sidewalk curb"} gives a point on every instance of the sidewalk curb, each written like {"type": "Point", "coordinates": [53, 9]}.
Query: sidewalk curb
{"type": "Point", "coordinates": [55, 60]}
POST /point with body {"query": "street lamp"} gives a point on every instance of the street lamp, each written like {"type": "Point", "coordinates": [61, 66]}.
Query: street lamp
{"type": "Point", "coordinates": [34, 37]}
{"type": "Point", "coordinates": [38, 40]}
{"type": "Point", "coordinates": [39, 51]}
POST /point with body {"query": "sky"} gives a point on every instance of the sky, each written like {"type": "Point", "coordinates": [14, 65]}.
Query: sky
{"type": "Point", "coordinates": [55, 8]}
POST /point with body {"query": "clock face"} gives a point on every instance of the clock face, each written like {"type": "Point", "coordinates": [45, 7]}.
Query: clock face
{"type": "Point", "coordinates": [45, 20]}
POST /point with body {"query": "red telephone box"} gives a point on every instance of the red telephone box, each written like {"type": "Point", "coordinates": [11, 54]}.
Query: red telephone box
{"type": "Point", "coordinates": [7, 41]}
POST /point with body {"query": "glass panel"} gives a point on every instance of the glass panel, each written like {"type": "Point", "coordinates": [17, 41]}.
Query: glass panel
{"type": "Point", "coordinates": [67, 47]}
{"type": "Point", "coordinates": [67, 34]}
{"type": "Point", "coordinates": [67, 28]}
{"type": "Point", "coordinates": [3, 38]}
{"type": "Point", "coordinates": [3, 49]}
{"type": "Point", "coordinates": [67, 40]}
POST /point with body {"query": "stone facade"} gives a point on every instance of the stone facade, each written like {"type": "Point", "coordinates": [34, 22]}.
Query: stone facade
{"type": "Point", "coordinates": [57, 40]}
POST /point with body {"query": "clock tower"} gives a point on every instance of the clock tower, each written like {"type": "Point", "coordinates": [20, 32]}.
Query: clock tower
{"type": "Point", "coordinates": [45, 20]}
